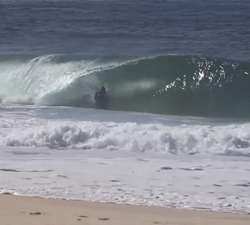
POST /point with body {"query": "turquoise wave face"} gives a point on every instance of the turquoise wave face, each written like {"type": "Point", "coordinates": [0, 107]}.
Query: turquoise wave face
{"type": "Point", "coordinates": [182, 85]}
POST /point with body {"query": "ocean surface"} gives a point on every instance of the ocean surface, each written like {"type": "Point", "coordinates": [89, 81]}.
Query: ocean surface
{"type": "Point", "coordinates": [175, 131]}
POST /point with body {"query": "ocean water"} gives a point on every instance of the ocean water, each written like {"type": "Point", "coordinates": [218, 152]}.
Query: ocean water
{"type": "Point", "coordinates": [175, 131]}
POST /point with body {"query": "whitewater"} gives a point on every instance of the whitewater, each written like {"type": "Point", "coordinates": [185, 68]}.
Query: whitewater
{"type": "Point", "coordinates": [56, 143]}
{"type": "Point", "coordinates": [175, 129]}
{"type": "Point", "coordinates": [68, 153]}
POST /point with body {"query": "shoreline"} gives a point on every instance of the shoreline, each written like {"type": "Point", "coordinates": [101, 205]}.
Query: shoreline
{"type": "Point", "coordinates": [17, 210]}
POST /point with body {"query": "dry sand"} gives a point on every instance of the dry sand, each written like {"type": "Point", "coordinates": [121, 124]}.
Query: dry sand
{"type": "Point", "coordinates": [15, 210]}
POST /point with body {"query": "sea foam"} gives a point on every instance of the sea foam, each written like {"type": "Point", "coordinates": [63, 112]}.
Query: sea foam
{"type": "Point", "coordinates": [134, 137]}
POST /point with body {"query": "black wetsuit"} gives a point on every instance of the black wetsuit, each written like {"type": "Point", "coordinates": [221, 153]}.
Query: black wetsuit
{"type": "Point", "coordinates": [100, 95]}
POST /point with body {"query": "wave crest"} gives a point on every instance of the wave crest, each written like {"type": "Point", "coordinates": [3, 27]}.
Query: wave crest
{"type": "Point", "coordinates": [183, 85]}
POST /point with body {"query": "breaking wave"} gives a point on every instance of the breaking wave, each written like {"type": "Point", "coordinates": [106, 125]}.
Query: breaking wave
{"type": "Point", "coordinates": [229, 140]}
{"type": "Point", "coordinates": [182, 85]}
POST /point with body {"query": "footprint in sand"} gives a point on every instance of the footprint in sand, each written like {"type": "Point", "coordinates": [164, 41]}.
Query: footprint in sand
{"type": "Point", "coordinates": [103, 218]}
{"type": "Point", "coordinates": [36, 213]}
{"type": "Point", "coordinates": [84, 216]}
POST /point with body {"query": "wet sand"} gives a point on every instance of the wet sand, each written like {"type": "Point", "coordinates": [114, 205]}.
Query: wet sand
{"type": "Point", "coordinates": [16, 210]}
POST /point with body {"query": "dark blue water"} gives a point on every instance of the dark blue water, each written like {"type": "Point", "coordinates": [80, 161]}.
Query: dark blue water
{"type": "Point", "coordinates": [189, 57]}
{"type": "Point", "coordinates": [218, 28]}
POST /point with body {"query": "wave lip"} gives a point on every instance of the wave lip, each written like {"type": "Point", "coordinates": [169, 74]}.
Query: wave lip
{"type": "Point", "coordinates": [183, 85]}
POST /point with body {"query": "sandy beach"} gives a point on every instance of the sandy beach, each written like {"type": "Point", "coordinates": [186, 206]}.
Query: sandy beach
{"type": "Point", "coordinates": [15, 210]}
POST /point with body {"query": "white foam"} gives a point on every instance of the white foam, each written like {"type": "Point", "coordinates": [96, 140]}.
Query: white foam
{"type": "Point", "coordinates": [176, 163]}
{"type": "Point", "coordinates": [186, 139]}
{"type": "Point", "coordinates": [200, 183]}
{"type": "Point", "coordinates": [22, 100]}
